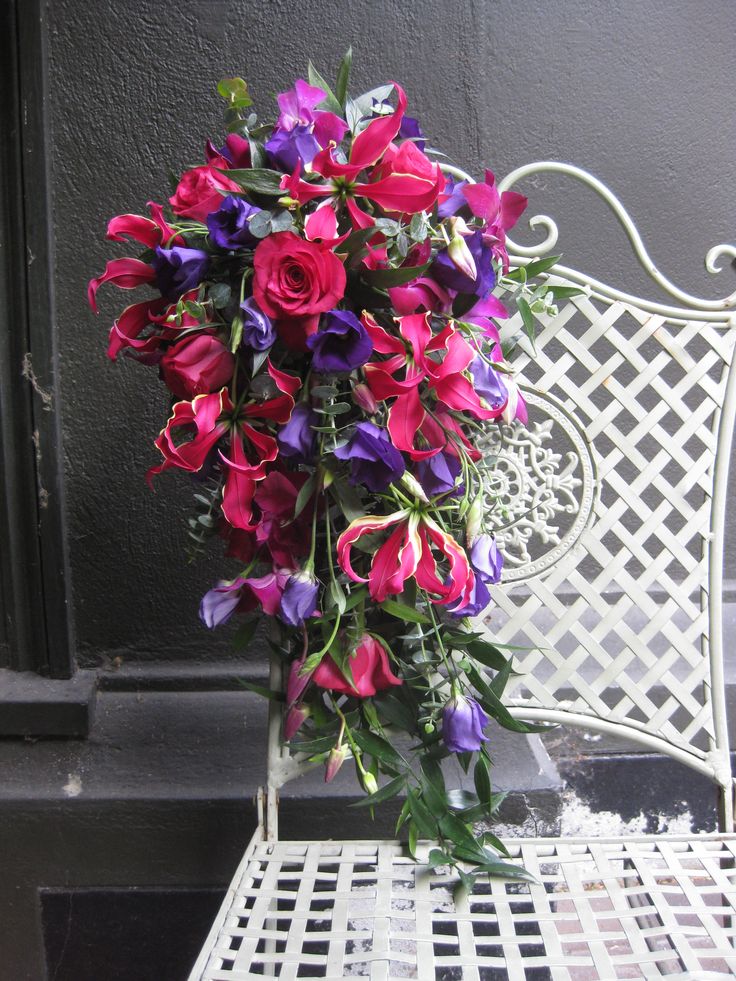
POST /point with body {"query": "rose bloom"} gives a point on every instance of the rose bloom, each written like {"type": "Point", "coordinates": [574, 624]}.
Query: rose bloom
{"type": "Point", "coordinates": [198, 193]}
{"type": "Point", "coordinates": [407, 160]}
{"type": "Point", "coordinates": [197, 366]}
{"type": "Point", "coordinates": [295, 281]}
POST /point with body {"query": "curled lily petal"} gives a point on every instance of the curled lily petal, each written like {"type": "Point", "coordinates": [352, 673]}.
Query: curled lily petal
{"type": "Point", "coordinates": [356, 530]}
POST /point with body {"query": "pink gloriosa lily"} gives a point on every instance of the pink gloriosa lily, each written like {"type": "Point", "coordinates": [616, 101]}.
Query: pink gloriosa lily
{"type": "Point", "coordinates": [407, 553]}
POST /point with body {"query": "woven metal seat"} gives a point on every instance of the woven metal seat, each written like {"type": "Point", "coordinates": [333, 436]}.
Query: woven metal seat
{"type": "Point", "coordinates": [615, 493]}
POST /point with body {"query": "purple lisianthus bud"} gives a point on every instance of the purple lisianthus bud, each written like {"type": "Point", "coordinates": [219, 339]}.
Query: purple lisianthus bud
{"type": "Point", "coordinates": [297, 439]}
{"type": "Point", "coordinates": [374, 460]}
{"type": "Point", "coordinates": [411, 130]}
{"type": "Point", "coordinates": [446, 273]}
{"type": "Point", "coordinates": [488, 383]}
{"type": "Point", "coordinates": [463, 721]}
{"type": "Point", "coordinates": [178, 269]}
{"type": "Point", "coordinates": [286, 148]}
{"type": "Point", "coordinates": [219, 603]}
{"type": "Point", "coordinates": [478, 600]}
{"type": "Point", "coordinates": [299, 599]}
{"type": "Point", "coordinates": [363, 398]}
{"type": "Point", "coordinates": [340, 345]}
{"type": "Point", "coordinates": [258, 331]}
{"type": "Point", "coordinates": [486, 559]}
{"type": "Point", "coordinates": [438, 473]}
{"type": "Point", "coordinates": [229, 226]}
{"type": "Point", "coordinates": [452, 198]}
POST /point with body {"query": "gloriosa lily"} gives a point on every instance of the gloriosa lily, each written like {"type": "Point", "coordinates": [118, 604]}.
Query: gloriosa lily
{"type": "Point", "coordinates": [407, 553]}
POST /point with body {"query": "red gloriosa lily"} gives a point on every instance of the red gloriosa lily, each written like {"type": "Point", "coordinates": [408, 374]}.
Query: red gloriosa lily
{"type": "Point", "coordinates": [407, 553]}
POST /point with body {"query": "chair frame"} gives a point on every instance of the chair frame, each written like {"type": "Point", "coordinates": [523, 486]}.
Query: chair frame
{"type": "Point", "coordinates": [715, 762]}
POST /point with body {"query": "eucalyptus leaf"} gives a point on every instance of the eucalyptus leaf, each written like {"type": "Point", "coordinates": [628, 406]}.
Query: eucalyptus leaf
{"type": "Point", "coordinates": [220, 293]}
{"type": "Point", "coordinates": [260, 225]}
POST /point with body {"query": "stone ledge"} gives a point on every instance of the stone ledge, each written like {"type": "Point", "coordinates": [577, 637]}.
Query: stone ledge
{"type": "Point", "coordinates": [31, 705]}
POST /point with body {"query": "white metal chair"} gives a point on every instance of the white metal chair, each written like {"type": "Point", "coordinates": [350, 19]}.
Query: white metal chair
{"type": "Point", "coordinates": [617, 494]}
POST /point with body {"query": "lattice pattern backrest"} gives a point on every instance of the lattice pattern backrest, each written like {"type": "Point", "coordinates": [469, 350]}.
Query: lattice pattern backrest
{"type": "Point", "coordinates": [607, 500]}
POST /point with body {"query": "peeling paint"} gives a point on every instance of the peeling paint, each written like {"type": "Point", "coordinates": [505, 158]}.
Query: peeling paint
{"type": "Point", "coordinates": [73, 786]}
{"type": "Point", "coordinates": [579, 820]}
{"type": "Point", "coordinates": [30, 375]}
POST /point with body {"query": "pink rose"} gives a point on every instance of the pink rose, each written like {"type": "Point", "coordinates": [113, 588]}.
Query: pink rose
{"type": "Point", "coordinates": [197, 365]}
{"type": "Point", "coordinates": [295, 281]}
{"type": "Point", "coordinates": [198, 192]}
{"type": "Point", "coordinates": [369, 666]}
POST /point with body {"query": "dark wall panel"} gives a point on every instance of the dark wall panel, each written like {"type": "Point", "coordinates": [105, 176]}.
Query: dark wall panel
{"type": "Point", "coordinates": [639, 93]}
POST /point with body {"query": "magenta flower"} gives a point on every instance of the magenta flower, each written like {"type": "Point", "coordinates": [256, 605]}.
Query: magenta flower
{"type": "Point", "coordinates": [463, 722]}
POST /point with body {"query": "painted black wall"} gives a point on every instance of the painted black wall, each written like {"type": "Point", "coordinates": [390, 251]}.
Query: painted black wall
{"type": "Point", "coordinates": [640, 93]}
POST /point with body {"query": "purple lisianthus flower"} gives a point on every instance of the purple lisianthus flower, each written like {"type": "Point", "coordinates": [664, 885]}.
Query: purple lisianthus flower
{"type": "Point", "coordinates": [258, 331]}
{"type": "Point", "coordinates": [297, 439]}
{"type": "Point", "coordinates": [230, 225]}
{"type": "Point", "coordinates": [488, 383]}
{"type": "Point", "coordinates": [178, 269]}
{"type": "Point", "coordinates": [218, 604]}
{"type": "Point", "coordinates": [446, 273]}
{"type": "Point", "coordinates": [374, 460]}
{"type": "Point", "coordinates": [486, 559]}
{"type": "Point", "coordinates": [463, 721]}
{"type": "Point", "coordinates": [287, 147]}
{"type": "Point", "coordinates": [478, 600]}
{"type": "Point", "coordinates": [411, 130]}
{"type": "Point", "coordinates": [299, 599]}
{"type": "Point", "coordinates": [438, 473]}
{"type": "Point", "coordinates": [452, 198]}
{"type": "Point", "coordinates": [341, 344]}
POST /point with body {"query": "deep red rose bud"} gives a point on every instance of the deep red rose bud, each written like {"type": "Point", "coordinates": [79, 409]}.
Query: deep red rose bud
{"type": "Point", "coordinates": [198, 192]}
{"type": "Point", "coordinates": [196, 366]}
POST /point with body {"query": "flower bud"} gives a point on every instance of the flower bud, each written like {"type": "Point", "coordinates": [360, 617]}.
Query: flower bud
{"type": "Point", "coordinates": [458, 251]}
{"type": "Point", "coordinates": [334, 761]}
{"type": "Point", "coordinates": [363, 398]}
{"type": "Point", "coordinates": [474, 519]}
{"type": "Point", "coordinates": [414, 487]}
{"type": "Point", "coordinates": [369, 783]}
{"type": "Point", "coordinates": [287, 202]}
{"type": "Point", "coordinates": [429, 728]}
{"type": "Point", "coordinates": [295, 718]}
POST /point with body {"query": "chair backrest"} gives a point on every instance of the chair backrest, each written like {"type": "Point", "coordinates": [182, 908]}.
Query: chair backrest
{"type": "Point", "coordinates": [612, 502]}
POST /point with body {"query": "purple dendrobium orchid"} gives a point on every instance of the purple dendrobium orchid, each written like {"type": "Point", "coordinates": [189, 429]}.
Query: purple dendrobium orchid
{"type": "Point", "coordinates": [178, 269]}
{"type": "Point", "coordinates": [340, 345]}
{"type": "Point", "coordinates": [299, 599]}
{"type": "Point", "coordinates": [463, 721]}
{"type": "Point", "coordinates": [259, 332]}
{"type": "Point", "coordinates": [287, 147]}
{"type": "Point", "coordinates": [229, 225]}
{"type": "Point", "coordinates": [374, 460]}
{"type": "Point", "coordinates": [297, 440]}
{"type": "Point", "coordinates": [452, 198]}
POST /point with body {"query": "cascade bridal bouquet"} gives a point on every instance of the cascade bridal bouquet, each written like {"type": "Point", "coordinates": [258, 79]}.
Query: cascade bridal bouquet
{"type": "Point", "coordinates": [323, 317]}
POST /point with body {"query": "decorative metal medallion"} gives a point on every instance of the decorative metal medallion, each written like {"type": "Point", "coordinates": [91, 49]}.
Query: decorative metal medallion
{"type": "Point", "coordinates": [542, 486]}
